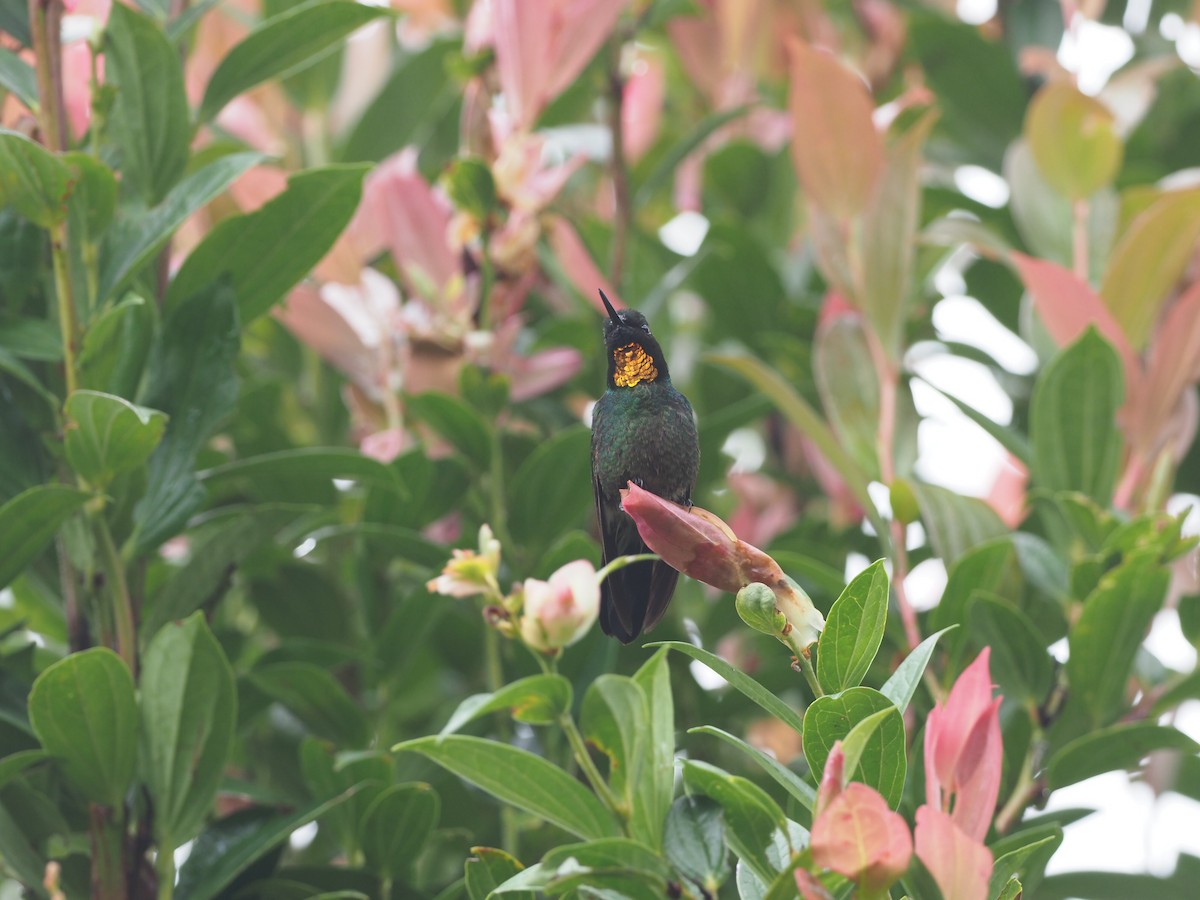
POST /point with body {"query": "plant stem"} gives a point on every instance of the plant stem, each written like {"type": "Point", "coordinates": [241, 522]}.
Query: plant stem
{"type": "Point", "coordinates": [584, 759]}
{"type": "Point", "coordinates": [122, 605]}
{"type": "Point", "coordinates": [623, 213]}
{"type": "Point", "coordinates": [108, 863]}
{"type": "Point", "coordinates": [494, 672]}
{"type": "Point", "coordinates": [45, 18]}
{"type": "Point", "coordinates": [622, 561]}
{"type": "Point", "coordinates": [66, 302]}
{"type": "Point", "coordinates": [1024, 791]}
{"type": "Point", "coordinates": [165, 863]}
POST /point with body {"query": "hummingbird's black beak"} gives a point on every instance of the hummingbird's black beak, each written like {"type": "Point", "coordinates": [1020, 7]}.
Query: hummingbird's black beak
{"type": "Point", "coordinates": [612, 313]}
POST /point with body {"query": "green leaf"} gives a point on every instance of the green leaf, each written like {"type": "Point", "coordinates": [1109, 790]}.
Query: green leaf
{"type": "Point", "coordinates": [955, 523]}
{"type": "Point", "coordinates": [536, 700]}
{"type": "Point", "coordinates": [615, 720]}
{"type": "Point", "coordinates": [84, 712]}
{"type": "Point", "coordinates": [1012, 441]}
{"type": "Point", "coordinates": [751, 817]}
{"type": "Point", "coordinates": [487, 869]}
{"type": "Point", "coordinates": [93, 201]}
{"type": "Point", "coordinates": [17, 77]}
{"type": "Point", "coordinates": [694, 841]}
{"type": "Point", "coordinates": [666, 166]}
{"type": "Point", "coordinates": [900, 687]}
{"type": "Point", "coordinates": [282, 475]}
{"type": "Point", "coordinates": [399, 116]}
{"type": "Point", "coordinates": [986, 567]}
{"type": "Point", "coordinates": [457, 423]}
{"type": "Point", "coordinates": [855, 743]}
{"type": "Point", "coordinates": [853, 630]}
{"type": "Point", "coordinates": [797, 411]}
{"type": "Point", "coordinates": [1020, 664]}
{"type": "Point", "coordinates": [139, 234]}
{"type": "Point", "coordinates": [396, 826]}
{"type": "Point", "coordinates": [29, 521]}
{"type": "Point", "coordinates": [535, 511]}
{"type": "Point", "coordinates": [520, 779]}
{"type": "Point", "coordinates": [191, 379]}
{"type": "Point", "coordinates": [1076, 443]}
{"type": "Point", "coordinates": [1149, 260]}
{"type": "Point", "coordinates": [106, 435]}
{"type": "Point", "coordinates": [883, 764]}
{"type": "Point", "coordinates": [283, 45]}
{"type": "Point", "coordinates": [1011, 865]}
{"type": "Point", "coordinates": [33, 180]}
{"type": "Point", "coordinates": [656, 783]}
{"type": "Point", "coordinates": [230, 846]}
{"type": "Point", "coordinates": [14, 764]}
{"type": "Point", "coordinates": [1120, 746]}
{"type": "Point", "coordinates": [150, 111]}
{"type": "Point", "coordinates": [849, 389]}
{"type": "Point", "coordinates": [266, 252]}
{"type": "Point", "coordinates": [327, 774]}
{"type": "Point", "coordinates": [1105, 639]}
{"type": "Point", "coordinates": [116, 346]}
{"type": "Point", "coordinates": [189, 710]}
{"type": "Point", "coordinates": [743, 682]}
{"type": "Point", "coordinates": [317, 699]}
{"type": "Point", "coordinates": [1074, 140]}
{"type": "Point", "coordinates": [617, 866]}
{"type": "Point", "coordinates": [800, 790]}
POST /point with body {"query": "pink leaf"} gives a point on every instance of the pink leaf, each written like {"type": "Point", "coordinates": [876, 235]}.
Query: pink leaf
{"type": "Point", "coordinates": [1067, 306]}
{"type": "Point", "coordinates": [961, 865]}
{"type": "Point", "coordinates": [1173, 366]}
{"type": "Point", "coordinates": [858, 836]}
{"type": "Point", "coordinates": [963, 750]}
{"type": "Point", "coordinates": [837, 152]}
{"type": "Point", "coordinates": [578, 265]}
{"type": "Point", "coordinates": [642, 105]}
{"type": "Point", "coordinates": [831, 779]}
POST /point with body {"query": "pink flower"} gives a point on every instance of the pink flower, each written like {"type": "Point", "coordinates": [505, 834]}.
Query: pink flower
{"type": "Point", "coordinates": [960, 864]}
{"type": "Point", "coordinates": [542, 45]}
{"type": "Point", "coordinates": [855, 833]}
{"type": "Point", "coordinates": [963, 751]}
{"type": "Point", "coordinates": [699, 544]}
{"type": "Point", "coordinates": [469, 572]}
{"type": "Point", "coordinates": [558, 612]}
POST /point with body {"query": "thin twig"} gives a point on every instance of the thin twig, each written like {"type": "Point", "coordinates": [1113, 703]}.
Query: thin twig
{"type": "Point", "coordinates": [1079, 240]}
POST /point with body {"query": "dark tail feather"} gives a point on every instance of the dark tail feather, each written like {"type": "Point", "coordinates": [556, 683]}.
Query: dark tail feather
{"type": "Point", "coordinates": [633, 599]}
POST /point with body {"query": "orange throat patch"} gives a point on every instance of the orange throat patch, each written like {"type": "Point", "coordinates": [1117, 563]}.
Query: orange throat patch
{"type": "Point", "coordinates": [634, 366]}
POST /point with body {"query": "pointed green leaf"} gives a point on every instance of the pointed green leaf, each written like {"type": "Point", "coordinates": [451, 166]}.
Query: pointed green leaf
{"type": "Point", "coordinates": [751, 817]}
{"type": "Point", "coordinates": [189, 710]}
{"type": "Point", "coordinates": [656, 782]}
{"type": "Point", "coordinates": [17, 76]}
{"type": "Point", "coordinates": [150, 111]}
{"type": "Point", "coordinates": [281, 475]}
{"type": "Point", "coordinates": [853, 630]}
{"type": "Point", "coordinates": [1104, 641]}
{"type": "Point", "coordinates": [396, 826]}
{"type": "Point", "coordinates": [317, 699]}
{"type": "Point", "coordinates": [266, 252]}
{"type": "Point", "coordinates": [537, 700]}
{"type": "Point", "coordinates": [521, 779]}
{"type": "Point", "coordinates": [1076, 443]}
{"type": "Point", "coordinates": [615, 720]}
{"type": "Point", "coordinates": [694, 841]}
{"type": "Point", "coordinates": [1120, 746]}
{"type": "Point", "coordinates": [107, 435]}
{"type": "Point", "coordinates": [883, 763]}
{"type": "Point", "coordinates": [139, 234]}
{"type": "Point", "coordinates": [455, 422]}
{"type": "Point", "coordinates": [29, 521]}
{"type": "Point", "coordinates": [902, 684]}
{"type": "Point", "coordinates": [800, 790]}
{"type": "Point", "coordinates": [33, 180]}
{"type": "Point", "coordinates": [84, 712]}
{"type": "Point", "coordinates": [487, 868]}
{"type": "Point", "coordinates": [191, 378]}
{"type": "Point", "coordinates": [955, 523]}
{"type": "Point", "coordinates": [536, 514]}
{"type": "Point", "coordinates": [1074, 140]}
{"type": "Point", "coordinates": [849, 389]}
{"type": "Point", "coordinates": [283, 45]}
{"type": "Point", "coordinates": [1020, 664]}
{"type": "Point", "coordinates": [740, 680]}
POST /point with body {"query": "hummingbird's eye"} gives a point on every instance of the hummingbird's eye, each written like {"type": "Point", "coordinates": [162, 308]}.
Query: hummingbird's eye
{"type": "Point", "coordinates": [645, 328]}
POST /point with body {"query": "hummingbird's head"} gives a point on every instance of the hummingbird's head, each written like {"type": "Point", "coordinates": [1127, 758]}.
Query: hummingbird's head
{"type": "Point", "coordinates": [634, 354]}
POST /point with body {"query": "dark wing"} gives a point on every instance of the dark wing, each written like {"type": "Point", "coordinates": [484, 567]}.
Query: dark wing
{"type": "Point", "coordinates": [632, 599]}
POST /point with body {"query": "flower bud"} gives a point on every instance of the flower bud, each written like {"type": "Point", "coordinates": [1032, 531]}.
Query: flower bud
{"type": "Point", "coordinates": [469, 572]}
{"type": "Point", "coordinates": [756, 606]}
{"type": "Point", "coordinates": [558, 612]}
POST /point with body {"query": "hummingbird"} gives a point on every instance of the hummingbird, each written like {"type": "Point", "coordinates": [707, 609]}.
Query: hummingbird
{"type": "Point", "coordinates": [644, 431]}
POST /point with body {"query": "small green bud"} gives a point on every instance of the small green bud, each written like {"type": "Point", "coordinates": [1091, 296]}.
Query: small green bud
{"type": "Point", "coordinates": [904, 502]}
{"type": "Point", "coordinates": [470, 185]}
{"type": "Point", "coordinates": [756, 606]}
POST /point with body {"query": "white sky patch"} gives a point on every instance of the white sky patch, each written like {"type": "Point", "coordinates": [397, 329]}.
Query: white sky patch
{"type": "Point", "coordinates": [958, 317]}
{"type": "Point", "coordinates": [1094, 52]}
{"type": "Point", "coordinates": [1166, 641]}
{"type": "Point", "coordinates": [975, 12]}
{"type": "Point", "coordinates": [747, 450]}
{"type": "Point", "coordinates": [685, 233]}
{"type": "Point", "coordinates": [706, 678]}
{"type": "Point", "coordinates": [925, 584]}
{"type": "Point", "coordinates": [981, 185]}
{"type": "Point", "coordinates": [303, 836]}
